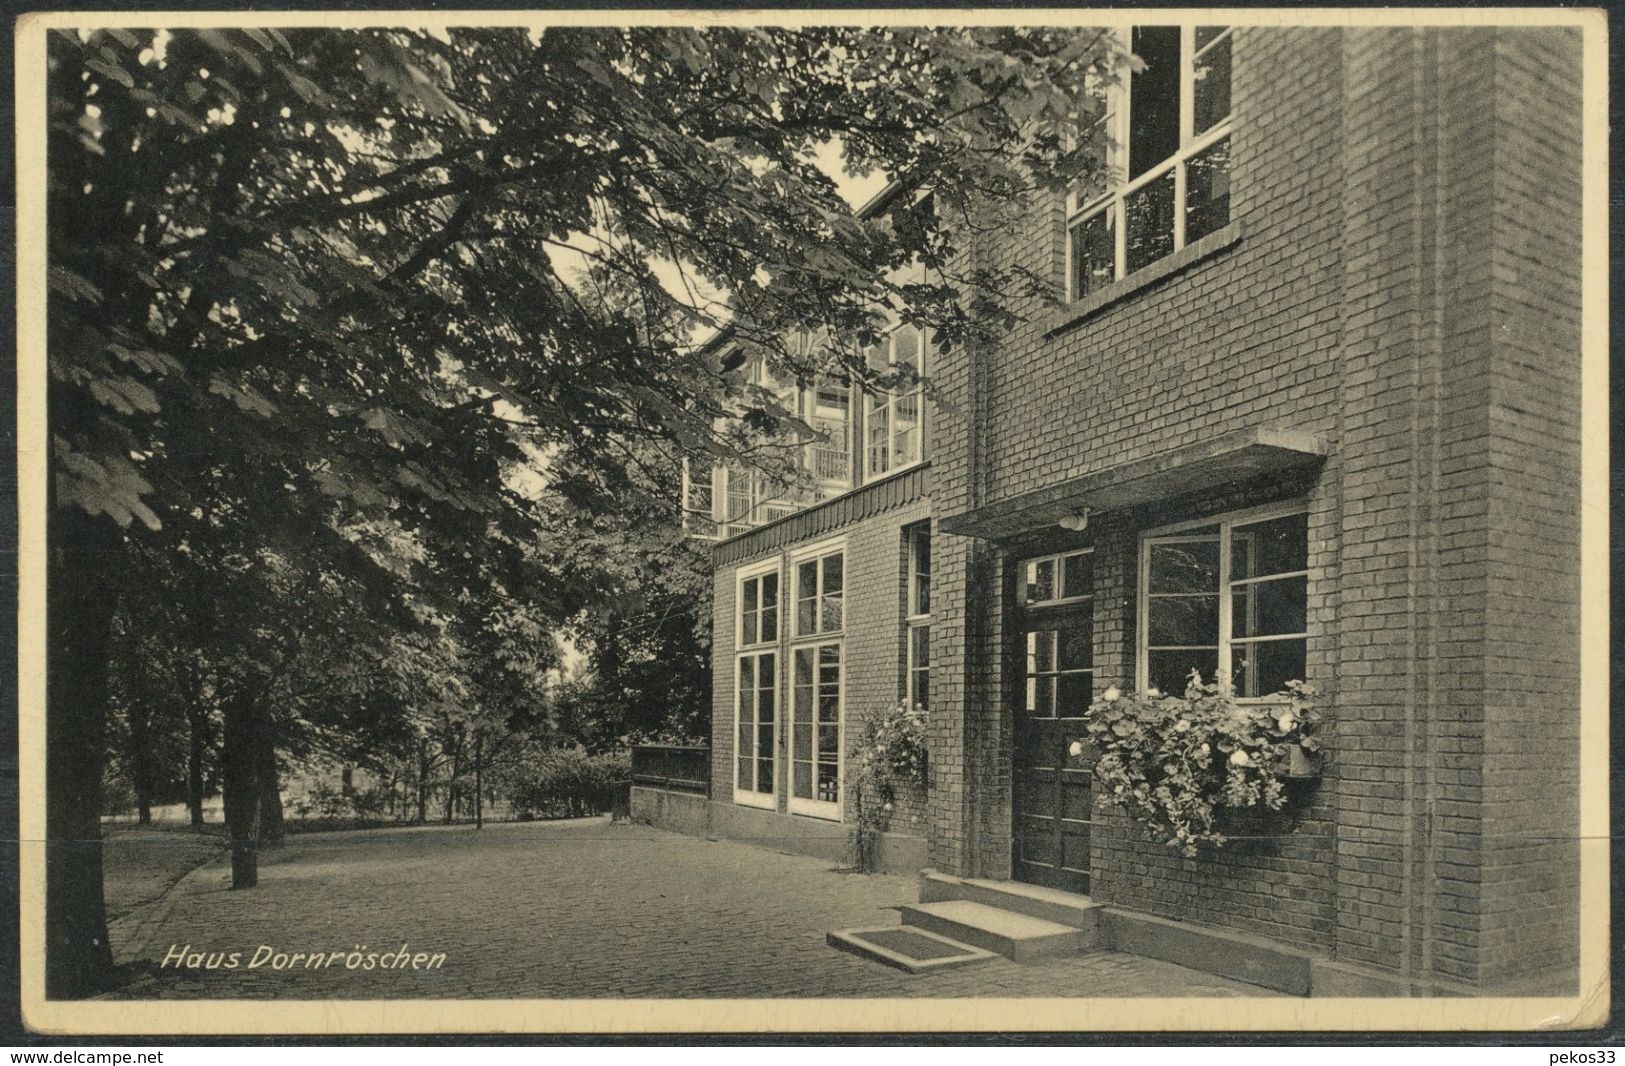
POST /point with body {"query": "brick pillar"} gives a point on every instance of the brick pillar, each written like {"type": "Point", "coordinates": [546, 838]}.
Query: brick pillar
{"type": "Point", "coordinates": [1429, 583]}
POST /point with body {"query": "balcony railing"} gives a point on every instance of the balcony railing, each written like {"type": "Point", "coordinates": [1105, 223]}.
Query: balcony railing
{"type": "Point", "coordinates": [672, 768]}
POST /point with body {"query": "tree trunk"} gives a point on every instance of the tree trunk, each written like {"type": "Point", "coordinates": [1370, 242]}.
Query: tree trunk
{"type": "Point", "coordinates": [198, 723]}
{"type": "Point", "coordinates": [141, 757]}
{"type": "Point", "coordinates": [78, 958]}
{"type": "Point", "coordinates": [239, 767]}
{"type": "Point", "coordinates": [423, 782]}
{"type": "Point", "coordinates": [269, 782]}
{"type": "Point", "coordinates": [479, 783]}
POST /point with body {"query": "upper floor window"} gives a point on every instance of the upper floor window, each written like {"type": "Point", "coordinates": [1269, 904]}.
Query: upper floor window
{"type": "Point", "coordinates": [1229, 596]}
{"type": "Point", "coordinates": [894, 422]}
{"type": "Point", "coordinates": [1165, 157]}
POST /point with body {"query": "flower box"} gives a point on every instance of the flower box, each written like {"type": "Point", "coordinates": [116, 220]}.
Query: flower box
{"type": "Point", "coordinates": [1297, 763]}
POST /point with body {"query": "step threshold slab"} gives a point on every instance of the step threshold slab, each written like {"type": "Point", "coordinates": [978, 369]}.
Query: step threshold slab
{"type": "Point", "coordinates": [1015, 936]}
{"type": "Point", "coordinates": [907, 948]}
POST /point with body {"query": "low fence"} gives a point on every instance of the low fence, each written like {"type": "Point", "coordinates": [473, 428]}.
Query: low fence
{"type": "Point", "coordinates": [672, 767]}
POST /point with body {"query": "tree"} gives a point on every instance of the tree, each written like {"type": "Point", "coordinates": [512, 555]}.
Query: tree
{"type": "Point", "coordinates": [307, 284]}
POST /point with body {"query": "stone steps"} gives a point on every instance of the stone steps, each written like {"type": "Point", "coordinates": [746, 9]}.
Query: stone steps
{"type": "Point", "coordinates": [1015, 936]}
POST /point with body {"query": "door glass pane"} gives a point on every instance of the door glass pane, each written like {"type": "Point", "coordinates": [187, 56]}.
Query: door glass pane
{"type": "Point", "coordinates": [1077, 651]}
{"type": "Point", "coordinates": [1149, 211]}
{"type": "Point", "coordinates": [1204, 34]}
{"type": "Point", "coordinates": [1212, 85]}
{"type": "Point", "coordinates": [803, 780]}
{"type": "Point", "coordinates": [1072, 694]}
{"type": "Point", "coordinates": [803, 740]}
{"type": "Point", "coordinates": [747, 740]}
{"type": "Point", "coordinates": [1185, 567]}
{"type": "Point", "coordinates": [1041, 651]}
{"type": "Point", "coordinates": [1207, 190]}
{"type": "Point", "coordinates": [1041, 696]}
{"type": "Point", "coordinates": [743, 780]}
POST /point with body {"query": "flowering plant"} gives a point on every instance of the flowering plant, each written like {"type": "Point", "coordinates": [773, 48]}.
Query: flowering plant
{"type": "Point", "coordinates": [1171, 762]}
{"type": "Point", "coordinates": [889, 752]}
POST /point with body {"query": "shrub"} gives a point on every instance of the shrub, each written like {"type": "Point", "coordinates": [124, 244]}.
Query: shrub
{"type": "Point", "coordinates": [1172, 762]}
{"type": "Point", "coordinates": [890, 751]}
{"type": "Point", "coordinates": [566, 781]}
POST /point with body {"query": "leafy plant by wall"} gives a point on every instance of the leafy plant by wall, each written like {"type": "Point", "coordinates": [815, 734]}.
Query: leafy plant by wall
{"type": "Point", "coordinates": [890, 753]}
{"type": "Point", "coordinates": [1174, 762]}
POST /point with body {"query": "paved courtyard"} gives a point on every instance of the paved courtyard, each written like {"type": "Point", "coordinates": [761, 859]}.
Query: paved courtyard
{"type": "Point", "coordinates": [571, 910]}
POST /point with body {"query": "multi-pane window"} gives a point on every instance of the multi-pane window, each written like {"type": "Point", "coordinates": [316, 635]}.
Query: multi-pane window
{"type": "Point", "coordinates": [894, 422]}
{"type": "Point", "coordinates": [820, 603]}
{"type": "Point", "coordinates": [919, 615]}
{"type": "Point", "coordinates": [1226, 597]}
{"type": "Point", "coordinates": [1059, 601]}
{"type": "Point", "coordinates": [756, 703]}
{"type": "Point", "coordinates": [817, 684]}
{"type": "Point", "coordinates": [815, 735]}
{"type": "Point", "coordinates": [829, 413]}
{"type": "Point", "coordinates": [1165, 142]}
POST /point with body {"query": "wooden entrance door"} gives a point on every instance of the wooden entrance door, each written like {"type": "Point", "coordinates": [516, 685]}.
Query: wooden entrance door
{"type": "Point", "coordinates": [1053, 759]}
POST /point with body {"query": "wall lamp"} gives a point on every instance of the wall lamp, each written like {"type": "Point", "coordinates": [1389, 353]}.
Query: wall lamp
{"type": "Point", "coordinates": [1077, 521]}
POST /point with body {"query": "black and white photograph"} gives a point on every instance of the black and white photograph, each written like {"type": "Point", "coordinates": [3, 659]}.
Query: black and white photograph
{"type": "Point", "coordinates": [813, 521]}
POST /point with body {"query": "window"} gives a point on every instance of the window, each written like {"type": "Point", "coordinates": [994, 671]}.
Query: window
{"type": "Point", "coordinates": [815, 732]}
{"type": "Point", "coordinates": [829, 413]}
{"type": "Point", "coordinates": [1168, 163]}
{"type": "Point", "coordinates": [1059, 600]}
{"type": "Point", "coordinates": [756, 703]}
{"type": "Point", "coordinates": [817, 689]}
{"type": "Point", "coordinates": [894, 422]}
{"type": "Point", "coordinates": [1227, 596]}
{"type": "Point", "coordinates": [819, 600]}
{"type": "Point", "coordinates": [918, 621]}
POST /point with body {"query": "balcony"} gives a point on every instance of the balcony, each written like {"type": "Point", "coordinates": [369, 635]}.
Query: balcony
{"type": "Point", "coordinates": [857, 436]}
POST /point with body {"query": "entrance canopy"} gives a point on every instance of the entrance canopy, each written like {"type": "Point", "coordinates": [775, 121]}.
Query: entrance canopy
{"type": "Point", "coordinates": [1234, 456]}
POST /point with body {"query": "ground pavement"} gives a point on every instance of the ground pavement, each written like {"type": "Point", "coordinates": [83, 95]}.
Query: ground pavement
{"type": "Point", "coordinates": [572, 909]}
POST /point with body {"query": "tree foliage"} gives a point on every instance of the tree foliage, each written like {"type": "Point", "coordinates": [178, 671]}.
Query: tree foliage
{"type": "Point", "coordinates": [322, 304]}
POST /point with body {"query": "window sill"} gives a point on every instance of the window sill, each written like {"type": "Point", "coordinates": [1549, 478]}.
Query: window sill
{"type": "Point", "coordinates": [1077, 313]}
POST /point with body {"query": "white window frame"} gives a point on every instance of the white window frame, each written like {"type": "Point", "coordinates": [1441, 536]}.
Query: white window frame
{"type": "Point", "coordinates": [813, 807]}
{"type": "Point", "coordinates": [1118, 126]}
{"type": "Point", "coordinates": [876, 403]}
{"type": "Point", "coordinates": [814, 642]}
{"type": "Point", "coordinates": [819, 552]}
{"type": "Point", "coordinates": [1226, 522]}
{"type": "Point", "coordinates": [913, 618]}
{"type": "Point", "coordinates": [756, 650]}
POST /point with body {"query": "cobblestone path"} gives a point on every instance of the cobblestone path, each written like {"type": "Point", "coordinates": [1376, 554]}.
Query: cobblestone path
{"type": "Point", "coordinates": [573, 910]}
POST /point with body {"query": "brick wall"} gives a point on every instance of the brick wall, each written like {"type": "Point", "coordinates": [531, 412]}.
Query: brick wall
{"type": "Point", "coordinates": [1405, 207]}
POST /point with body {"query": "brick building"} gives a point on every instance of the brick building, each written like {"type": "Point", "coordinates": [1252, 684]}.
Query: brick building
{"type": "Point", "coordinates": [1311, 394]}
